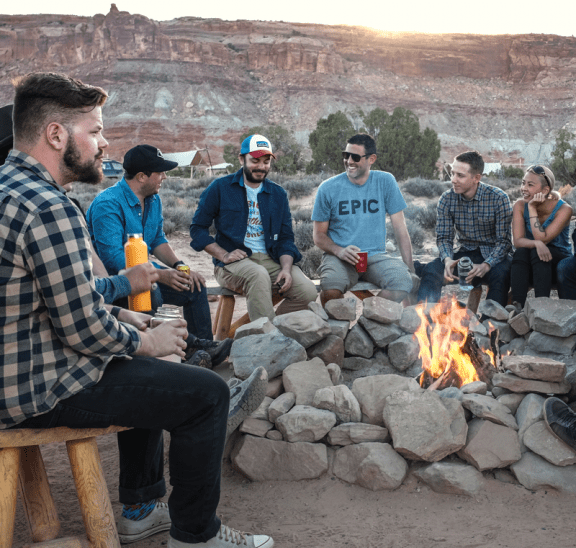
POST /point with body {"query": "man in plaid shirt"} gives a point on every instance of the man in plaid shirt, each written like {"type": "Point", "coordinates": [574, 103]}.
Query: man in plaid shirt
{"type": "Point", "coordinates": [63, 354]}
{"type": "Point", "coordinates": [480, 216]}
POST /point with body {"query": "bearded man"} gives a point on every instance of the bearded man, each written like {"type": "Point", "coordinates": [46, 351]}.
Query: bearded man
{"type": "Point", "coordinates": [253, 248]}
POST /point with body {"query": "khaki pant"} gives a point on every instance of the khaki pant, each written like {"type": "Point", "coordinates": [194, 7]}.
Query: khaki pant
{"type": "Point", "coordinates": [254, 277]}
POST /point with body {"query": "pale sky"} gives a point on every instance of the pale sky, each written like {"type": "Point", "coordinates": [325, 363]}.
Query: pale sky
{"type": "Point", "coordinates": [459, 16]}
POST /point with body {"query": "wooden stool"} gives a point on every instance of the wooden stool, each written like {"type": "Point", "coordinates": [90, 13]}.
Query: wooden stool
{"type": "Point", "coordinates": [21, 463]}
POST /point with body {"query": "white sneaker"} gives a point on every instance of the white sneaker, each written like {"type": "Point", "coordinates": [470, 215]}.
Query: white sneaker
{"type": "Point", "coordinates": [227, 538]}
{"type": "Point", "coordinates": [156, 521]}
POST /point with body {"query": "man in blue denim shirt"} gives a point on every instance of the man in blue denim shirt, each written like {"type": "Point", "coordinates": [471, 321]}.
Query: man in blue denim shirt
{"type": "Point", "coordinates": [254, 247]}
{"type": "Point", "coordinates": [133, 206]}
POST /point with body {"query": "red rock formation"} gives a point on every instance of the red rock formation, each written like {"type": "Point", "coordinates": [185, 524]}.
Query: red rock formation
{"type": "Point", "coordinates": [205, 81]}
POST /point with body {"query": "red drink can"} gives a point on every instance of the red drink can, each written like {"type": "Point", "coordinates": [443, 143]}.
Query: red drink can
{"type": "Point", "coordinates": [362, 263]}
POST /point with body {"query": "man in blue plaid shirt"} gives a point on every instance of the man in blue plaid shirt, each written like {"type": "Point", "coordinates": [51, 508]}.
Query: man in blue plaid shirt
{"type": "Point", "coordinates": [63, 354]}
{"type": "Point", "coordinates": [480, 215]}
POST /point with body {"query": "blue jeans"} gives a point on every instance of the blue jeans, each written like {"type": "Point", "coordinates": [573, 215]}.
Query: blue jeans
{"type": "Point", "coordinates": [566, 274]}
{"type": "Point", "coordinates": [497, 278]}
{"type": "Point", "coordinates": [153, 395]}
{"type": "Point", "coordinates": [195, 306]}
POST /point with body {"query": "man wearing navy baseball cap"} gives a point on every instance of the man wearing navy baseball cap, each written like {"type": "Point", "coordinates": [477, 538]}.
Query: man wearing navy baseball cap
{"type": "Point", "coordinates": [132, 206]}
{"type": "Point", "coordinates": [253, 249]}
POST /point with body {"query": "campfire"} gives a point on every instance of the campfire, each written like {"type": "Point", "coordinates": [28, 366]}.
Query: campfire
{"type": "Point", "coordinates": [450, 353]}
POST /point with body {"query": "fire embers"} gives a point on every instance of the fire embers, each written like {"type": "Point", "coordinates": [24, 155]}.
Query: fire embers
{"type": "Point", "coordinates": [450, 354]}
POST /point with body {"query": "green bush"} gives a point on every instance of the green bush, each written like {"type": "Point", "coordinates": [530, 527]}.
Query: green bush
{"type": "Point", "coordinates": [427, 215]}
{"type": "Point", "coordinates": [302, 214]}
{"type": "Point", "coordinates": [417, 233]}
{"type": "Point", "coordinates": [424, 187]}
{"type": "Point", "coordinates": [310, 262]}
{"type": "Point", "coordinates": [303, 235]}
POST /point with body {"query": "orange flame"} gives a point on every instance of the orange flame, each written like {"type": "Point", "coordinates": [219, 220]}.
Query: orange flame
{"type": "Point", "coordinates": [441, 342]}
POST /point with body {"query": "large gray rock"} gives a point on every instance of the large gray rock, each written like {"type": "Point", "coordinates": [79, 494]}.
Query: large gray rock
{"type": "Point", "coordinates": [506, 332]}
{"type": "Point", "coordinates": [381, 334]}
{"type": "Point", "coordinates": [357, 432]}
{"type": "Point", "coordinates": [318, 310]}
{"type": "Point", "coordinates": [381, 310]}
{"type": "Point", "coordinates": [335, 373]}
{"type": "Point", "coordinates": [329, 350]}
{"type": "Point", "coordinates": [341, 309]}
{"type": "Point", "coordinates": [305, 423]}
{"type": "Point", "coordinates": [261, 411]}
{"type": "Point", "coordinates": [486, 407]}
{"type": "Point", "coordinates": [555, 317]}
{"type": "Point", "coordinates": [516, 384]}
{"type": "Point", "coordinates": [261, 326]}
{"type": "Point", "coordinates": [374, 466]}
{"type": "Point", "coordinates": [339, 327]}
{"type": "Point", "coordinates": [256, 427]}
{"type": "Point", "coordinates": [371, 393]}
{"type": "Point", "coordinates": [304, 378]}
{"type": "Point", "coordinates": [541, 441]}
{"type": "Point", "coordinates": [262, 459]}
{"type": "Point", "coordinates": [530, 411]}
{"type": "Point", "coordinates": [410, 320]}
{"type": "Point", "coordinates": [520, 323]}
{"type": "Point", "coordinates": [281, 405]}
{"type": "Point", "coordinates": [303, 326]}
{"type": "Point", "coordinates": [490, 445]}
{"type": "Point", "coordinates": [451, 478]}
{"type": "Point", "coordinates": [423, 425]}
{"type": "Point", "coordinates": [493, 310]}
{"type": "Point", "coordinates": [340, 400]}
{"type": "Point", "coordinates": [532, 367]}
{"type": "Point", "coordinates": [359, 343]}
{"type": "Point", "coordinates": [356, 363]}
{"type": "Point", "coordinates": [403, 352]}
{"type": "Point", "coordinates": [534, 472]}
{"type": "Point", "coordinates": [475, 387]}
{"type": "Point", "coordinates": [548, 343]}
{"type": "Point", "coordinates": [273, 351]}
{"type": "Point", "coordinates": [512, 401]}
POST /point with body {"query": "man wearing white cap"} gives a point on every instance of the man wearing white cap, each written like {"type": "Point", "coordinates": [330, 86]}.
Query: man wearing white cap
{"type": "Point", "coordinates": [253, 248]}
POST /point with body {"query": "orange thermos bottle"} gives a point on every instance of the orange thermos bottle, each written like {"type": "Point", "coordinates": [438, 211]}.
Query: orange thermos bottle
{"type": "Point", "coordinates": [136, 252]}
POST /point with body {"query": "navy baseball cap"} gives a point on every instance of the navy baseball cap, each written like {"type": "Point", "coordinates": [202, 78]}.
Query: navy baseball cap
{"type": "Point", "coordinates": [146, 158]}
{"type": "Point", "coordinates": [256, 146]}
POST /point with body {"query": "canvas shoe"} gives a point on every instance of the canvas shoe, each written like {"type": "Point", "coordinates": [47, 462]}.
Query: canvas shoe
{"type": "Point", "coordinates": [246, 397]}
{"type": "Point", "coordinates": [560, 420]}
{"type": "Point", "coordinates": [156, 521]}
{"type": "Point", "coordinates": [227, 538]}
{"type": "Point", "coordinates": [200, 358]}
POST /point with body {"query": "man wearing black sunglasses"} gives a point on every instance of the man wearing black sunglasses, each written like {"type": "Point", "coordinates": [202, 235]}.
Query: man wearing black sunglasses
{"type": "Point", "coordinates": [350, 217]}
{"type": "Point", "coordinates": [480, 215]}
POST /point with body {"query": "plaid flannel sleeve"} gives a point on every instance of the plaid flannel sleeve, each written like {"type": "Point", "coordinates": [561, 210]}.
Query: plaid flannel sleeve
{"type": "Point", "coordinates": [57, 251]}
{"type": "Point", "coordinates": [503, 214]}
{"type": "Point", "coordinates": [445, 229]}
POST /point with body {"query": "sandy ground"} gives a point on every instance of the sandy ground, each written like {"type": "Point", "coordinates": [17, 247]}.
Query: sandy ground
{"type": "Point", "coordinates": [329, 513]}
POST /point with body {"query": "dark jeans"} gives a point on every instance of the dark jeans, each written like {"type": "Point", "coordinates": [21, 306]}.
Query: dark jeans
{"type": "Point", "coordinates": [528, 270]}
{"type": "Point", "coordinates": [153, 395]}
{"type": "Point", "coordinates": [432, 278]}
{"type": "Point", "coordinates": [566, 274]}
{"type": "Point", "coordinates": [195, 306]}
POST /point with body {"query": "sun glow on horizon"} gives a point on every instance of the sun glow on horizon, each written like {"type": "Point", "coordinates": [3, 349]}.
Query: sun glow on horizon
{"type": "Point", "coordinates": [492, 17]}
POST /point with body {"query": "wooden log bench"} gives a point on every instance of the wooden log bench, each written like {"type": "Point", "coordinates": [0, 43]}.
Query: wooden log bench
{"type": "Point", "coordinates": [22, 469]}
{"type": "Point", "coordinates": [222, 326]}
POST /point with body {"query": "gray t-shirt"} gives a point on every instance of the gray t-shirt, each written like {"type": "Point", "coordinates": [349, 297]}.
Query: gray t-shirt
{"type": "Point", "coordinates": [357, 214]}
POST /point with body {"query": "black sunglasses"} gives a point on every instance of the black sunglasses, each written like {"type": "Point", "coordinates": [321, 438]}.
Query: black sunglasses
{"type": "Point", "coordinates": [539, 170]}
{"type": "Point", "coordinates": [355, 157]}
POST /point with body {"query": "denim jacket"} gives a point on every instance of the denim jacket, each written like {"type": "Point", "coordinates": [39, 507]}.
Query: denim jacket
{"type": "Point", "coordinates": [225, 203]}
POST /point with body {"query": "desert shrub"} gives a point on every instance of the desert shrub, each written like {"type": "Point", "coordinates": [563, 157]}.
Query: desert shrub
{"type": "Point", "coordinates": [297, 189]}
{"type": "Point", "coordinates": [303, 235]}
{"type": "Point", "coordinates": [177, 218]}
{"type": "Point", "coordinates": [507, 184]}
{"type": "Point", "coordinates": [203, 182]}
{"type": "Point", "coordinates": [417, 233]}
{"type": "Point", "coordinates": [424, 187]}
{"type": "Point", "coordinates": [310, 262]}
{"type": "Point", "coordinates": [427, 215]}
{"type": "Point", "coordinates": [302, 214]}
{"type": "Point", "coordinates": [569, 195]}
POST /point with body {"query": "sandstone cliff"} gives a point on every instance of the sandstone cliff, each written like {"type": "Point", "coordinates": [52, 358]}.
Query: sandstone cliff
{"type": "Point", "coordinates": [201, 82]}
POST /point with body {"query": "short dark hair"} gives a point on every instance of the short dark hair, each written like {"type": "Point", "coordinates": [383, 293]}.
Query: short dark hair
{"type": "Point", "coordinates": [44, 97]}
{"type": "Point", "coordinates": [367, 141]}
{"type": "Point", "coordinates": [473, 159]}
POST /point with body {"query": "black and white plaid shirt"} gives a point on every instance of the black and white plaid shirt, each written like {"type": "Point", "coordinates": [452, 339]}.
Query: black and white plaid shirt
{"type": "Point", "coordinates": [56, 338]}
{"type": "Point", "coordinates": [483, 222]}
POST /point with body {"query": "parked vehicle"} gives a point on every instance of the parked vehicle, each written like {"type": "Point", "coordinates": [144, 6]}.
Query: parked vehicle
{"type": "Point", "coordinates": [112, 168]}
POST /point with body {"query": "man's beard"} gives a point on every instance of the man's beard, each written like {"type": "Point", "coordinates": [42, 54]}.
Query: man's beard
{"type": "Point", "coordinates": [250, 178]}
{"type": "Point", "coordinates": [82, 172]}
